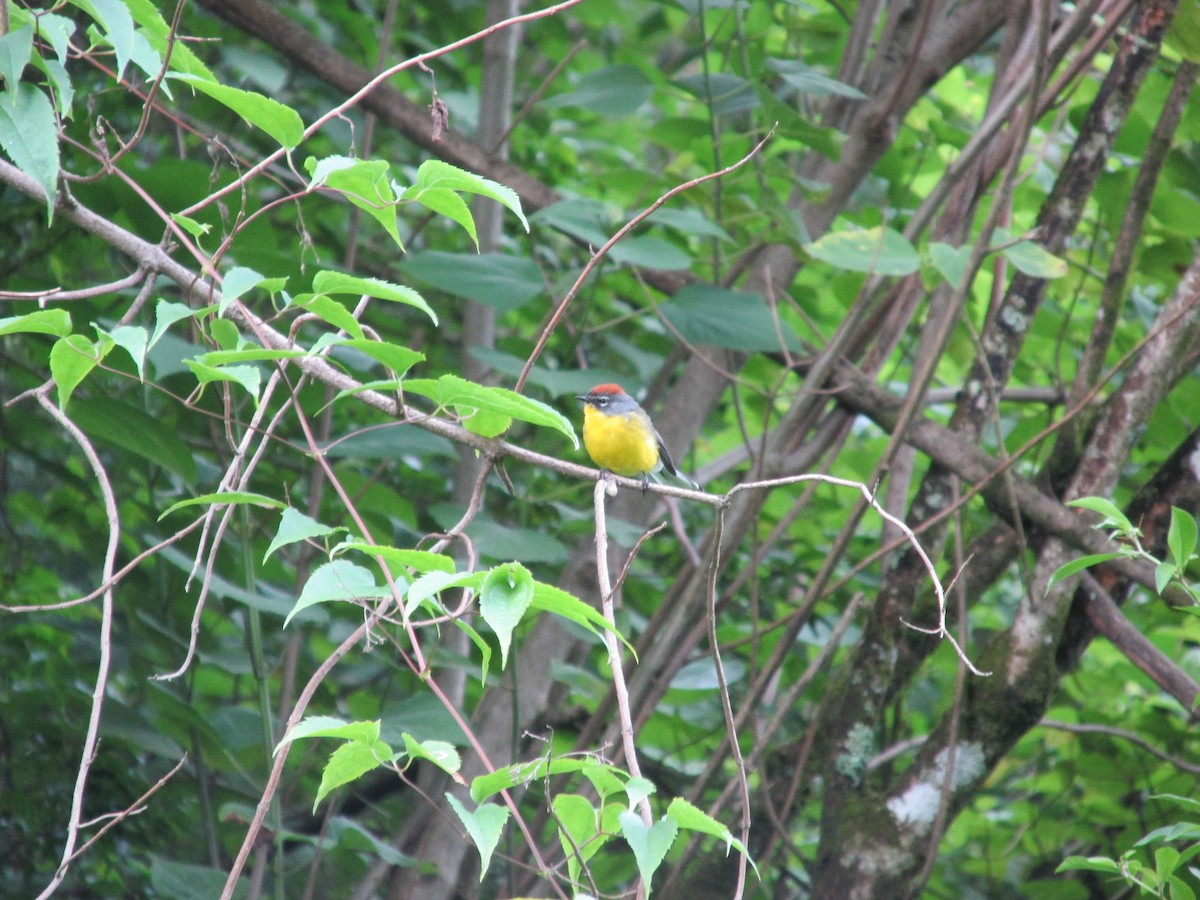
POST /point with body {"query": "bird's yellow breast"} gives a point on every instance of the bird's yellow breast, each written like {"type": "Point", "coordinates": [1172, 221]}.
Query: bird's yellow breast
{"type": "Point", "coordinates": [622, 444]}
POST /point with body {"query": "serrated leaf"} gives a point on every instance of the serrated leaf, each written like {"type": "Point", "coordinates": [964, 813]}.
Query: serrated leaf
{"type": "Point", "coordinates": [485, 826]}
{"type": "Point", "coordinates": [649, 844]}
{"type": "Point", "coordinates": [249, 377]}
{"type": "Point", "coordinates": [239, 280]}
{"type": "Point", "coordinates": [433, 583]}
{"type": "Point", "coordinates": [441, 753]}
{"type": "Point", "coordinates": [469, 399]}
{"type": "Point", "coordinates": [117, 24]}
{"type": "Point", "coordinates": [421, 560]}
{"type": "Point", "coordinates": [134, 340]}
{"type": "Point", "coordinates": [337, 580]}
{"type": "Point", "coordinates": [504, 597]}
{"type": "Point", "coordinates": [350, 762]}
{"type": "Point", "coordinates": [167, 314]}
{"type": "Point", "coordinates": [519, 774]}
{"type": "Point", "coordinates": [333, 312]}
{"type": "Point", "coordinates": [29, 137]}
{"type": "Point", "coordinates": [295, 526]}
{"type": "Point", "coordinates": [333, 282]}
{"type": "Point", "coordinates": [331, 727]}
{"type": "Point", "coordinates": [688, 816]}
{"type": "Point", "coordinates": [365, 183]}
{"type": "Point", "coordinates": [394, 357]}
{"type": "Point", "coordinates": [434, 174]}
{"type": "Point", "coordinates": [71, 359]}
{"type": "Point", "coordinates": [45, 321]}
{"type": "Point", "coordinates": [16, 48]}
{"type": "Point", "coordinates": [276, 119]}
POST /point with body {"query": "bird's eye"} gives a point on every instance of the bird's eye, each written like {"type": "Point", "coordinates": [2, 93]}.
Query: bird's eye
{"type": "Point", "coordinates": [602, 401]}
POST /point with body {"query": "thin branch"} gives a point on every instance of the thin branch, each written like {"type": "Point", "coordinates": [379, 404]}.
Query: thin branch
{"type": "Point", "coordinates": [92, 738]}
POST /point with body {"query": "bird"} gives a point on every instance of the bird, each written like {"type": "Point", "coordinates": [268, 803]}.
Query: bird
{"type": "Point", "coordinates": [620, 438]}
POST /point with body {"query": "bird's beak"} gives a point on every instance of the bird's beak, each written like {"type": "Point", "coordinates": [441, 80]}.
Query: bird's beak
{"type": "Point", "coordinates": [582, 398]}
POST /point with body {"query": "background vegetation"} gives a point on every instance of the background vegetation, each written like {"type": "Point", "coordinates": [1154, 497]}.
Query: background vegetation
{"type": "Point", "coordinates": [299, 547]}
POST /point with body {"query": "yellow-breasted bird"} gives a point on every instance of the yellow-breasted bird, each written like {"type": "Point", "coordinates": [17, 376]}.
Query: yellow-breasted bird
{"type": "Point", "coordinates": [620, 437]}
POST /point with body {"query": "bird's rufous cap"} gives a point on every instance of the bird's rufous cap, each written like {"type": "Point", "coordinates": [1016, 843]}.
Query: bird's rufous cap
{"type": "Point", "coordinates": [607, 389]}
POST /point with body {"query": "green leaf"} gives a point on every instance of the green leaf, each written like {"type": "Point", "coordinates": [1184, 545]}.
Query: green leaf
{"type": "Point", "coordinates": [365, 183]}
{"type": "Point", "coordinates": [158, 32]}
{"type": "Point", "coordinates": [16, 48]}
{"type": "Point", "coordinates": [231, 498]}
{"type": "Point", "coordinates": [130, 428]}
{"type": "Point", "coordinates": [295, 526]}
{"type": "Point", "coordinates": [441, 753]}
{"type": "Point", "coordinates": [883, 251]}
{"type": "Point", "coordinates": [394, 357]}
{"type": "Point", "coordinates": [504, 596]}
{"type": "Point", "coordinates": [447, 203]}
{"type": "Point", "coordinates": [279, 121]}
{"type": "Point", "coordinates": [239, 280]}
{"type": "Point", "coordinates": [1113, 517]}
{"type": "Point", "coordinates": [192, 226]}
{"type": "Point", "coordinates": [333, 312]}
{"type": "Point", "coordinates": [29, 137]}
{"type": "Point", "coordinates": [112, 16]}
{"type": "Point", "coordinates": [649, 845]}
{"type": "Point", "coordinates": [685, 815]}
{"type": "Point", "coordinates": [617, 90]}
{"type": "Point", "coordinates": [421, 560]}
{"type": "Point", "coordinates": [1089, 864]}
{"type": "Point", "coordinates": [331, 282]}
{"type": "Point", "coordinates": [809, 81]}
{"type": "Point", "coordinates": [437, 175]}
{"type": "Point", "coordinates": [248, 377]}
{"type": "Point", "coordinates": [709, 314]}
{"type": "Point", "coordinates": [434, 583]}
{"type": "Point", "coordinates": [332, 727]}
{"type": "Point", "coordinates": [167, 314]}
{"type": "Point", "coordinates": [350, 762]}
{"type": "Point", "coordinates": [484, 826]}
{"type": "Point", "coordinates": [638, 789]}
{"type": "Point", "coordinates": [1031, 259]}
{"type": "Point", "coordinates": [469, 400]}
{"type": "Point", "coordinates": [1184, 34]}
{"type": "Point", "coordinates": [44, 321]}
{"type": "Point", "coordinates": [727, 93]}
{"type": "Point", "coordinates": [134, 340]}
{"type": "Point", "coordinates": [508, 777]}
{"type": "Point", "coordinates": [337, 580]}
{"type": "Point", "coordinates": [250, 354]}
{"type": "Point", "coordinates": [494, 279]}
{"type": "Point", "coordinates": [548, 598]}
{"type": "Point", "coordinates": [651, 252]}
{"type": "Point", "coordinates": [1078, 565]}
{"type": "Point", "coordinates": [1163, 573]}
{"type": "Point", "coordinates": [580, 832]}
{"type": "Point", "coordinates": [71, 359]}
{"type": "Point", "coordinates": [950, 261]}
{"type": "Point", "coordinates": [1181, 537]}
